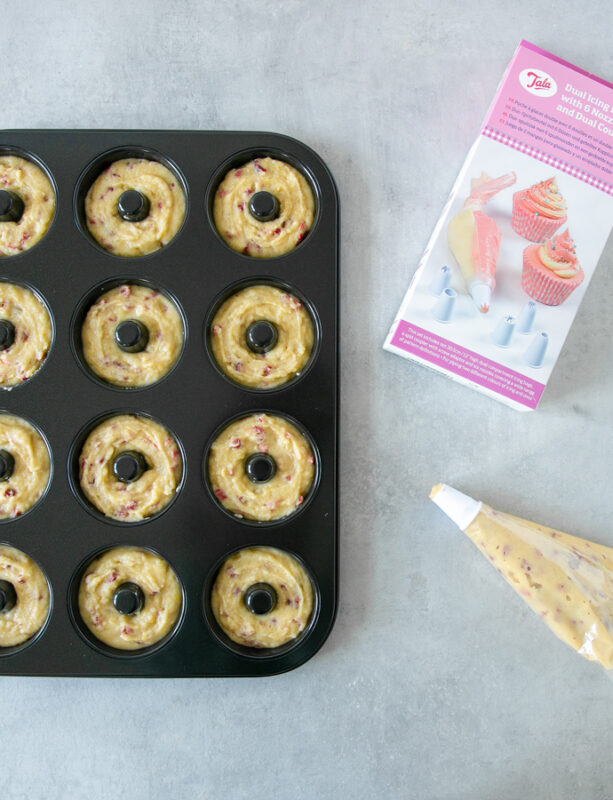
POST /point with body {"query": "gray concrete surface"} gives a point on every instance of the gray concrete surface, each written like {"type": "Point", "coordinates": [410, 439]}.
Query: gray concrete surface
{"type": "Point", "coordinates": [436, 682]}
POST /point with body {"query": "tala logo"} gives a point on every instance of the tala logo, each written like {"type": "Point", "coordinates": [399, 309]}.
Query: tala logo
{"type": "Point", "coordinates": [538, 83]}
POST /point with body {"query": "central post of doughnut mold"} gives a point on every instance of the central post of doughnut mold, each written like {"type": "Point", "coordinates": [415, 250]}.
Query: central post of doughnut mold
{"type": "Point", "coordinates": [133, 206]}
{"type": "Point", "coordinates": [128, 598]}
{"type": "Point", "coordinates": [8, 596]}
{"type": "Point", "coordinates": [129, 465]}
{"type": "Point", "coordinates": [260, 467]}
{"type": "Point", "coordinates": [132, 336]}
{"type": "Point", "coordinates": [264, 206]}
{"type": "Point", "coordinates": [260, 598]}
{"type": "Point", "coordinates": [11, 206]}
{"type": "Point", "coordinates": [7, 334]}
{"type": "Point", "coordinates": [7, 465]}
{"type": "Point", "coordinates": [261, 336]}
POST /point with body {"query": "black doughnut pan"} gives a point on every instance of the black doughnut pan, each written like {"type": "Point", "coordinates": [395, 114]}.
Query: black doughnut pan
{"type": "Point", "coordinates": [193, 400]}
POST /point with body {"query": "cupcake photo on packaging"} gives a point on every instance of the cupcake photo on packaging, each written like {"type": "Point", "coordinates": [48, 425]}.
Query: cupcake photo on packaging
{"type": "Point", "coordinates": [539, 211]}
{"type": "Point", "coordinates": [551, 271]}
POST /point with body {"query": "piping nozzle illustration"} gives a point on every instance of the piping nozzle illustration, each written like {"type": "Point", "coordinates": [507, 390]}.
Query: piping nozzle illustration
{"type": "Point", "coordinates": [535, 354]}
{"type": "Point", "coordinates": [441, 281]}
{"type": "Point", "coordinates": [525, 320]}
{"type": "Point", "coordinates": [443, 308]}
{"type": "Point", "coordinates": [503, 332]}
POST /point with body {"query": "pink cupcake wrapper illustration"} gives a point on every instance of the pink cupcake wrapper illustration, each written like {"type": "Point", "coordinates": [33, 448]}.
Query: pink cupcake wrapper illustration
{"type": "Point", "coordinates": [534, 228]}
{"type": "Point", "coordinates": [542, 284]}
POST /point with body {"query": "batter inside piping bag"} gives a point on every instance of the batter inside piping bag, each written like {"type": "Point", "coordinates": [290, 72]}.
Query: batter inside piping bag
{"type": "Point", "coordinates": [566, 580]}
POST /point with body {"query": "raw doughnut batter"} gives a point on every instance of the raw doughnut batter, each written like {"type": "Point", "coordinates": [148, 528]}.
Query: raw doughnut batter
{"type": "Point", "coordinates": [160, 317]}
{"type": "Point", "coordinates": [154, 489]}
{"type": "Point", "coordinates": [274, 437]}
{"type": "Point", "coordinates": [161, 594]}
{"type": "Point", "coordinates": [26, 179]}
{"type": "Point", "coordinates": [166, 207]}
{"type": "Point", "coordinates": [31, 466]}
{"type": "Point", "coordinates": [244, 232]}
{"type": "Point", "coordinates": [31, 334]}
{"type": "Point", "coordinates": [287, 618]}
{"type": "Point", "coordinates": [286, 359]}
{"type": "Point", "coordinates": [31, 609]}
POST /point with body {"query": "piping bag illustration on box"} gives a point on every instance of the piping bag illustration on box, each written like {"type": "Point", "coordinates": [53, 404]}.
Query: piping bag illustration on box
{"type": "Point", "coordinates": [474, 238]}
{"type": "Point", "coordinates": [566, 580]}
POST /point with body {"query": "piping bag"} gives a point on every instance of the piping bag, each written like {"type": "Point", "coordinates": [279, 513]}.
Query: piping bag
{"type": "Point", "coordinates": [566, 580]}
{"type": "Point", "coordinates": [474, 238]}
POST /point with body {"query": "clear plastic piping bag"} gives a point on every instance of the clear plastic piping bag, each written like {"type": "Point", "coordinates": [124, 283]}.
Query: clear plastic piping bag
{"type": "Point", "coordinates": [566, 580]}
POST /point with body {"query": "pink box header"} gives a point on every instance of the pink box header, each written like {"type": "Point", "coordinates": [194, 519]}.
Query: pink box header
{"type": "Point", "coordinates": [556, 112]}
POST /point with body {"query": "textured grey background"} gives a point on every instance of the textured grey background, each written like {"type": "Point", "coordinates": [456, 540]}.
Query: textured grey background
{"type": "Point", "coordinates": [436, 682]}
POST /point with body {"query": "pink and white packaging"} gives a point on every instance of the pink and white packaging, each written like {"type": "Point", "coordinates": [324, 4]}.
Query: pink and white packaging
{"type": "Point", "coordinates": [549, 119]}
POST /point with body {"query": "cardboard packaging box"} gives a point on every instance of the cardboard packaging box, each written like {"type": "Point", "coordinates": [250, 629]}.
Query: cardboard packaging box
{"type": "Point", "coordinates": [513, 252]}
